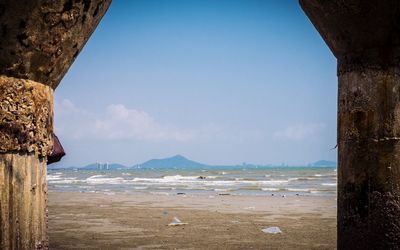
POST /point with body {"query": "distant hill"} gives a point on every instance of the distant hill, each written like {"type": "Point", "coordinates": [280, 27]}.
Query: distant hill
{"type": "Point", "coordinates": [323, 163]}
{"type": "Point", "coordinates": [177, 161]}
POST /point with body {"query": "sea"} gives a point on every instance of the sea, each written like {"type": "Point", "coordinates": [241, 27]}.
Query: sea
{"type": "Point", "coordinates": [284, 181]}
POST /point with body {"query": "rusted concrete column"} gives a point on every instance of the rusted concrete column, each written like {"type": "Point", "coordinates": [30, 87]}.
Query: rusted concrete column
{"type": "Point", "coordinates": [365, 38]}
{"type": "Point", "coordinates": [39, 41]}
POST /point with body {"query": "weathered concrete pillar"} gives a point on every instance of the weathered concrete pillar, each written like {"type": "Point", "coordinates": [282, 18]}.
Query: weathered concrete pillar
{"type": "Point", "coordinates": [39, 40]}
{"type": "Point", "coordinates": [365, 38]}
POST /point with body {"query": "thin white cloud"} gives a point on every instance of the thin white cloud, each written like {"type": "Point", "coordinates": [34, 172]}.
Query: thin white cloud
{"type": "Point", "coordinates": [114, 123]}
{"type": "Point", "coordinates": [118, 122]}
{"type": "Point", "coordinates": [299, 131]}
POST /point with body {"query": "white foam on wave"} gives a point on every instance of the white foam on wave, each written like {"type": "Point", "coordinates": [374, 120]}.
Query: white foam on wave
{"type": "Point", "coordinates": [224, 189]}
{"type": "Point", "coordinates": [303, 182]}
{"type": "Point", "coordinates": [180, 177]}
{"type": "Point", "coordinates": [96, 176]}
{"type": "Point", "coordinates": [53, 177]}
{"type": "Point", "coordinates": [270, 189]}
{"type": "Point", "coordinates": [174, 180]}
{"type": "Point", "coordinates": [245, 179]}
{"type": "Point", "coordinates": [317, 191]}
{"type": "Point", "coordinates": [101, 179]}
{"type": "Point", "coordinates": [298, 190]}
{"type": "Point", "coordinates": [307, 178]}
{"type": "Point", "coordinates": [329, 184]}
{"type": "Point", "coordinates": [64, 180]}
{"type": "Point", "coordinates": [246, 182]}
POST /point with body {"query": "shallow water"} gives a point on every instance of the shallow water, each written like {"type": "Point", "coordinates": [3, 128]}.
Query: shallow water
{"type": "Point", "coordinates": [234, 181]}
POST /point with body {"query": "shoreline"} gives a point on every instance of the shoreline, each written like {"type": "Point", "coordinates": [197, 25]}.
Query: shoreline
{"type": "Point", "coordinates": [139, 221]}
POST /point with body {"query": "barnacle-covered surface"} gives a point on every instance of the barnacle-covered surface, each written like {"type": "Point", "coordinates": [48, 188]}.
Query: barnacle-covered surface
{"type": "Point", "coordinates": [40, 39]}
{"type": "Point", "coordinates": [26, 116]}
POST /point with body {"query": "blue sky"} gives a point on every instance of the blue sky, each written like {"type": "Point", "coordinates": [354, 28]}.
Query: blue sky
{"type": "Point", "coordinates": [221, 82]}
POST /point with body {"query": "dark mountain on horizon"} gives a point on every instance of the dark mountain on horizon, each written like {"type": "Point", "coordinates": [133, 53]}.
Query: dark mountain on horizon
{"type": "Point", "coordinates": [177, 161]}
{"type": "Point", "coordinates": [323, 163]}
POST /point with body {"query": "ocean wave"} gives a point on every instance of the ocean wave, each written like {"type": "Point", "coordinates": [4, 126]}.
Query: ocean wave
{"type": "Point", "coordinates": [192, 180]}
{"type": "Point", "coordinates": [306, 183]}
{"type": "Point", "coordinates": [334, 174]}
{"type": "Point", "coordinates": [306, 190]}
{"type": "Point", "coordinates": [245, 179]}
{"type": "Point", "coordinates": [63, 180]}
{"type": "Point", "coordinates": [329, 184]}
{"type": "Point", "coordinates": [307, 178]}
{"type": "Point", "coordinates": [96, 176]}
{"type": "Point", "coordinates": [53, 177]}
{"type": "Point", "coordinates": [180, 177]}
{"type": "Point", "coordinates": [224, 189]}
{"type": "Point", "coordinates": [101, 179]}
{"type": "Point", "coordinates": [246, 182]}
{"type": "Point", "coordinates": [270, 189]}
{"type": "Point", "coordinates": [176, 179]}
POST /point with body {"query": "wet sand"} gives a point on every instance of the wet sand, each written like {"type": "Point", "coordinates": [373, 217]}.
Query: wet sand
{"type": "Point", "coordinates": [139, 221]}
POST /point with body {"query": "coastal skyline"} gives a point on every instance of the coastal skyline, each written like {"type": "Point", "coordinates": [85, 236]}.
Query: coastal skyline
{"type": "Point", "coordinates": [221, 82]}
{"type": "Point", "coordinates": [182, 162]}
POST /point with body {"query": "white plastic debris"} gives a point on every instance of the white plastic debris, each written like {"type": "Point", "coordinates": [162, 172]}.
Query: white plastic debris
{"type": "Point", "coordinates": [272, 230]}
{"type": "Point", "coordinates": [176, 222]}
{"type": "Point", "coordinates": [249, 208]}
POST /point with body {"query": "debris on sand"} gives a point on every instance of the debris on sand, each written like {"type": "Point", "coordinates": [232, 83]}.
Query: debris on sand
{"type": "Point", "coordinates": [177, 222]}
{"type": "Point", "coordinates": [272, 230]}
{"type": "Point", "coordinates": [249, 208]}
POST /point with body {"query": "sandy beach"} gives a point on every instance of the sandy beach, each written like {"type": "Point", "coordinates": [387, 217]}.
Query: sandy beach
{"type": "Point", "coordinates": [140, 221]}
